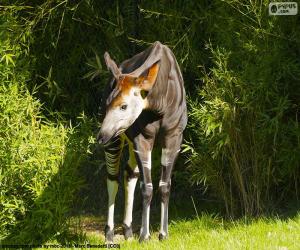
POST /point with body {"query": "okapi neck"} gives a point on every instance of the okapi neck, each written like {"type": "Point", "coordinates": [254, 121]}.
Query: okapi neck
{"type": "Point", "coordinates": [155, 106]}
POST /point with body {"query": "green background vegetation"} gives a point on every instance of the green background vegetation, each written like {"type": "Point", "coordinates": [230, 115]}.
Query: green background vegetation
{"type": "Point", "coordinates": [242, 75]}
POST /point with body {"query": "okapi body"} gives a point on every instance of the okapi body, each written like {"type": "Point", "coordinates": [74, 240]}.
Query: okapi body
{"type": "Point", "coordinates": [145, 97]}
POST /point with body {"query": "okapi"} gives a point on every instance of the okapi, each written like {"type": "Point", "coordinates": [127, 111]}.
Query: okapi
{"type": "Point", "coordinates": [145, 97]}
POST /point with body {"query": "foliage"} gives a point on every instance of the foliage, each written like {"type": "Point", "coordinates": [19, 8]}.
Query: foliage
{"type": "Point", "coordinates": [248, 112]}
{"type": "Point", "coordinates": [241, 70]}
{"type": "Point", "coordinates": [66, 38]}
{"type": "Point", "coordinates": [39, 159]}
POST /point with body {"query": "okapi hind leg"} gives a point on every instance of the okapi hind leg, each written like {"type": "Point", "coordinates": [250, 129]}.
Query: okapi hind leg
{"type": "Point", "coordinates": [168, 159]}
{"type": "Point", "coordinates": [112, 188]}
{"type": "Point", "coordinates": [113, 152]}
{"type": "Point", "coordinates": [130, 178]}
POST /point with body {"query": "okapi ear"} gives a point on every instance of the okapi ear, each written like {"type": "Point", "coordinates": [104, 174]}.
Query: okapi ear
{"type": "Point", "coordinates": [154, 56]}
{"type": "Point", "coordinates": [147, 81]}
{"type": "Point", "coordinates": [112, 66]}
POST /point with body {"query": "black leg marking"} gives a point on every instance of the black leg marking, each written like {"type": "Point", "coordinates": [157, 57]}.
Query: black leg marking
{"type": "Point", "coordinates": [162, 237]}
{"type": "Point", "coordinates": [127, 231]}
{"type": "Point", "coordinates": [109, 234]}
{"type": "Point", "coordinates": [113, 177]}
{"type": "Point", "coordinates": [131, 173]}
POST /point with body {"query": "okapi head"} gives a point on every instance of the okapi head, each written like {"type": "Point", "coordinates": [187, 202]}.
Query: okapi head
{"type": "Point", "coordinates": [127, 99]}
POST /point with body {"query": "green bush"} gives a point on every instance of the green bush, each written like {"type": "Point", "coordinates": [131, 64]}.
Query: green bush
{"type": "Point", "coordinates": [39, 168]}
{"type": "Point", "coordinates": [241, 70]}
{"type": "Point", "coordinates": [39, 159]}
{"type": "Point", "coordinates": [245, 120]}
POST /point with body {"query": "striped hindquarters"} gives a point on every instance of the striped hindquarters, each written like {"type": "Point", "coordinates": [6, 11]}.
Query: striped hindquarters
{"type": "Point", "coordinates": [113, 151]}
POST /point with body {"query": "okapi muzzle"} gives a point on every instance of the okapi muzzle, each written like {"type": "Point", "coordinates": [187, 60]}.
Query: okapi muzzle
{"type": "Point", "coordinates": [127, 100]}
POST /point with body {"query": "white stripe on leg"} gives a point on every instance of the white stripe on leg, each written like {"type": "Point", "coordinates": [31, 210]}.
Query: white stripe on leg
{"type": "Point", "coordinates": [162, 219]}
{"type": "Point", "coordinates": [112, 188]}
{"type": "Point", "coordinates": [129, 198]}
{"type": "Point", "coordinates": [145, 227]}
{"type": "Point", "coordinates": [147, 163]}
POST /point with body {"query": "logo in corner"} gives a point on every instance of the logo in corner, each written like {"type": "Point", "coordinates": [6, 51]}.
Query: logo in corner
{"type": "Point", "coordinates": [283, 8]}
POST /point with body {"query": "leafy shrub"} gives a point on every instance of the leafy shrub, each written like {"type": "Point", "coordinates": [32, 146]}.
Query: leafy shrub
{"type": "Point", "coordinates": [241, 71]}
{"type": "Point", "coordinates": [39, 159]}
{"type": "Point", "coordinates": [245, 121]}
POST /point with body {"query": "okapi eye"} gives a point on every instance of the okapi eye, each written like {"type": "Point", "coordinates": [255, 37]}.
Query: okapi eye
{"type": "Point", "coordinates": [123, 107]}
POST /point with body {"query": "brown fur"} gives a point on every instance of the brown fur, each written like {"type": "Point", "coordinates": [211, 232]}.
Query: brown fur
{"type": "Point", "coordinates": [126, 82]}
{"type": "Point", "coordinates": [124, 85]}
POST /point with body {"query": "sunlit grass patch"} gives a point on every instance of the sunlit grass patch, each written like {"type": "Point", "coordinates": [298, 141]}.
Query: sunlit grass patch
{"type": "Point", "coordinates": [208, 232]}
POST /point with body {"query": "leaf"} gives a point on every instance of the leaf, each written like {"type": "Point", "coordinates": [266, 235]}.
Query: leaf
{"type": "Point", "coordinates": [8, 59]}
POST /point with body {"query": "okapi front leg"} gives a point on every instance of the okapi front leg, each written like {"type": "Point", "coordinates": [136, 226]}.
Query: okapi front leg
{"type": "Point", "coordinates": [112, 156]}
{"type": "Point", "coordinates": [143, 156]}
{"type": "Point", "coordinates": [168, 158]}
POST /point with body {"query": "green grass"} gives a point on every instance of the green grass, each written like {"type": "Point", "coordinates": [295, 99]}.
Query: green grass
{"type": "Point", "coordinates": [209, 232]}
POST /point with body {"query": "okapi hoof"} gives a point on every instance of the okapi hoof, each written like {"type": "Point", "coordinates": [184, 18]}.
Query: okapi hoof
{"type": "Point", "coordinates": [127, 231]}
{"type": "Point", "coordinates": [162, 236]}
{"type": "Point", "coordinates": [144, 238]}
{"type": "Point", "coordinates": [109, 235]}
